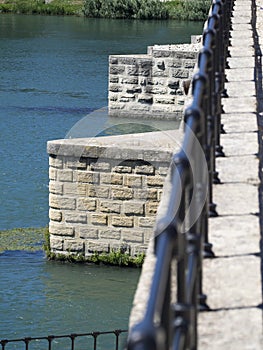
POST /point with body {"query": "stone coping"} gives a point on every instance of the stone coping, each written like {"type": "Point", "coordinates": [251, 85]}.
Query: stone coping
{"type": "Point", "coordinates": [149, 146]}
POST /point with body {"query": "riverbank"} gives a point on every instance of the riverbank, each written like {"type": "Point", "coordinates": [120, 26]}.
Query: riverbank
{"type": "Point", "coordinates": [126, 9]}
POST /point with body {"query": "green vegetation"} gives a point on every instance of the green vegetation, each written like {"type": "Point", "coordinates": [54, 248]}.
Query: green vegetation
{"type": "Point", "coordinates": [35, 239]}
{"type": "Point", "coordinates": [117, 257]}
{"type": "Point", "coordinates": [194, 10]}
{"type": "Point", "coordinates": [30, 239]}
{"type": "Point", "coordinates": [191, 10]}
{"type": "Point", "coordinates": [130, 9]}
{"type": "Point", "coordinates": [114, 258]}
{"type": "Point", "coordinates": [55, 7]}
{"type": "Point", "coordinates": [148, 9]}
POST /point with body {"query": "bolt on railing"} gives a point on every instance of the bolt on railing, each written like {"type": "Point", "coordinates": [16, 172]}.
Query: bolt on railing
{"type": "Point", "coordinates": [181, 237]}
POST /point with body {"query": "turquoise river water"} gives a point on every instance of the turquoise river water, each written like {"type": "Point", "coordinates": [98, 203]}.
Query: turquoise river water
{"type": "Point", "coordinates": [53, 74]}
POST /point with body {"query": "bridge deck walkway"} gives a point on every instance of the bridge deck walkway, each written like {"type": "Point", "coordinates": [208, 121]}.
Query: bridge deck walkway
{"type": "Point", "coordinates": [232, 280]}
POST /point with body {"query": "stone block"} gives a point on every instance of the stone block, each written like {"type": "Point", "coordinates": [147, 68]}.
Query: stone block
{"type": "Point", "coordinates": [121, 193]}
{"type": "Point", "coordinates": [145, 194]}
{"type": "Point", "coordinates": [88, 204]}
{"type": "Point", "coordinates": [156, 90]}
{"type": "Point", "coordinates": [99, 219]}
{"type": "Point", "coordinates": [76, 163]}
{"type": "Point", "coordinates": [114, 79]}
{"type": "Point", "coordinates": [115, 87]}
{"type": "Point", "coordinates": [151, 208]}
{"type": "Point", "coordinates": [132, 236]}
{"type": "Point", "coordinates": [122, 169]}
{"type": "Point", "coordinates": [56, 243]}
{"type": "Point", "coordinates": [133, 208]}
{"type": "Point", "coordinates": [55, 187]}
{"type": "Point", "coordinates": [138, 249]}
{"type": "Point", "coordinates": [133, 90]}
{"type": "Point", "coordinates": [173, 83]}
{"type": "Point", "coordinates": [55, 215]}
{"type": "Point", "coordinates": [98, 191]}
{"type": "Point", "coordinates": [61, 229]}
{"type": "Point", "coordinates": [96, 247]}
{"type": "Point", "coordinates": [87, 232]}
{"type": "Point", "coordinates": [100, 166]}
{"type": "Point", "coordinates": [113, 60]}
{"type": "Point", "coordinates": [113, 96]}
{"type": "Point", "coordinates": [74, 246]}
{"type": "Point", "coordinates": [156, 181]}
{"type": "Point", "coordinates": [174, 63]}
{"type": "Point", "coordinates": [122, 221]}
{"type": "Point", "coordinates": [60, 202]}
{"type": "Point", "coordinates": [112, 179]}
{"type": "Point", "coordinates": [180, 73]}
{"type": "Point", "coordinates": [127, 98]}
{"type": "Point", "coordinates": [110, 207]}
{"type": "Point", "coordinates": [64, 175]}
{"type": "Point", "coordinates": [160, 73]}
{"type": "Point", "coordinates": [144, 98]}
{"type": "Point", "coordinates": [55, 162]}
{"type": "Point", "coordinates": [146, 222]}
{"type": "Point", "coordinates": [75, 218]}
{"type": "Point", "coordinates": [110, 234]}
{"type": "Point", "coordinates": [88, 177]}
{"type": "Point", "coordinates": [52, 173]}
{"type": "Point", "coordinates": [71, 188]}
{"type": "Point", "coordinates": [133, 181]}
{"type": "Point", "coordinates": [144, 169]}
{"type": "Point", "coordinates": [189, 63]}
{"type": "Point", "coordinates": [145, 72]}
{"type": "Point", "coordinates": [164, 100]}
{"type": "Point", "coordinates": [117, 70]}
{"type": "Point", "coordinates": [132, 71]}
{"type": "Point", "coordinates": [130, 81]}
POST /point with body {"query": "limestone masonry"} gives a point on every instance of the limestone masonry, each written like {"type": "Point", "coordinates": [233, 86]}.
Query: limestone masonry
{"type": "Point", "coordinates": [152, 85]}
{"type": "Point", "coordinates": [104, 192]}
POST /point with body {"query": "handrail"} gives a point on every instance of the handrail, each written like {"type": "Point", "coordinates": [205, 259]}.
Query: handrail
{"type": "Point", "coordinates": [51, 341]}
{"type": "Point", "coordinates": [181, 236]}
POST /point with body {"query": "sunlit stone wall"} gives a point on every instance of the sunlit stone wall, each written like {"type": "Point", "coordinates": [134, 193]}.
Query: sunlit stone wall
{"type": "Point", "coordinates": [152, 85]}
{"type": "Point", "coordinates": [104, 192]}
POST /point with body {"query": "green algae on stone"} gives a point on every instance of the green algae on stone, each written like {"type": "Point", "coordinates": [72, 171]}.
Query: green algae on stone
{"type": "Point", "coordinates": [29, 239]}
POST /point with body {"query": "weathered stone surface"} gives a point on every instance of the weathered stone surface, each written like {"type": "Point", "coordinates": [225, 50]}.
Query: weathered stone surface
{"type": "Point", "coordinates": [60, 202]}
{"type": "Point", "coordinates": [160, 72]}
{"type": "Point", "coordinates": [122, 221]}
{"type": "Point", "coordinates": [232, 281]}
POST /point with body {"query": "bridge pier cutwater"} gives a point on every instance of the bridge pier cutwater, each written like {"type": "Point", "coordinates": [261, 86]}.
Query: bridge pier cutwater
{"type": "Point", "coordinates": [232, 280]}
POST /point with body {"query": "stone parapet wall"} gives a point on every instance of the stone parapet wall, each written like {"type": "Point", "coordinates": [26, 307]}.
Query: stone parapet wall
{"type": "Point", "coordinates": [104, 192]}
{"type": "Point", "coordinates": [152, 85]}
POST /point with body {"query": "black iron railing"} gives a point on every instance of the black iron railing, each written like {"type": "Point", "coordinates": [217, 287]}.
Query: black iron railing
{"type": "Point", "coordinates": [92, 341]}
{"type": "Point", "coordinates": [182, 232]}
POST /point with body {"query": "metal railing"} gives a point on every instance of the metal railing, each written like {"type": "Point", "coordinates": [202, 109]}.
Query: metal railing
{"type": "Point", "coordinates": [70, 341]}
{"type": "Point", "coordinates": [182, 240]}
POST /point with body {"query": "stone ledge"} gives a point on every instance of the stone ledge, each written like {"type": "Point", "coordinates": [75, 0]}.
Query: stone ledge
{"type": "Point", "coordinates": [152, 146]}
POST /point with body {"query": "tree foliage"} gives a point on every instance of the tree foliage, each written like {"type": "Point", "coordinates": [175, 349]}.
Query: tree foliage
{"type": "Point", "coordinates": [191, 10]}
{"type": "Point", "coordinates": [130, 9]}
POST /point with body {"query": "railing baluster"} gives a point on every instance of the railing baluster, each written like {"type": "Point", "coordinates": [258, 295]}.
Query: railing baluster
{"type": "Point", "coordinates": [202, 126]}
